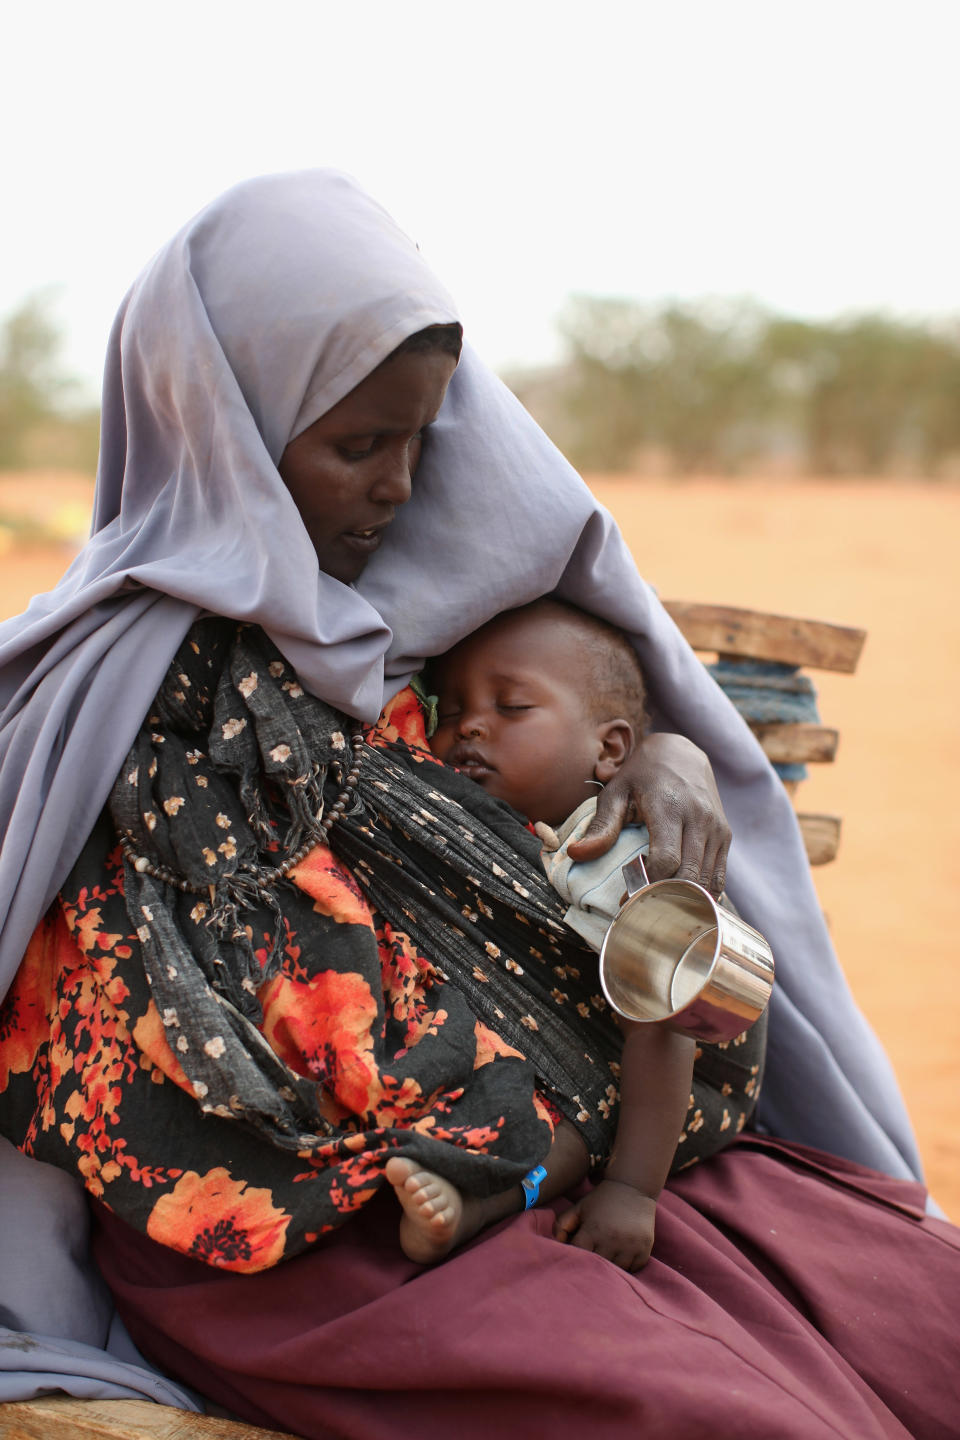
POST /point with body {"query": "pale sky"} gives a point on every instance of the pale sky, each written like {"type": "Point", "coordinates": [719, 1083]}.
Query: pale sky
{"type": "Point", "coordinates": [803, 152]}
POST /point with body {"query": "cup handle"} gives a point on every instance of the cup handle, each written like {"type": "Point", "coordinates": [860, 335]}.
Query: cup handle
{"type": "Point", "coordinates": [635, 875]}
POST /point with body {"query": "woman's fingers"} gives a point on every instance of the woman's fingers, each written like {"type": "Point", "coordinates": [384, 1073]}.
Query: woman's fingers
{"type": "Point", "coordinates": [704, 847]}
{"type": "Point", "coordinates": [613, 807]}
{"type": "Point", "coordinates": [667, 783]}
{"type": "Point", "coordinates": [686, 834]}
{"type": "Point", "coordinates": [676, 833]}
{"type": "Point", "coordinates": [714, 867]}
{"type": "Point", "coordinates": [689, 834]}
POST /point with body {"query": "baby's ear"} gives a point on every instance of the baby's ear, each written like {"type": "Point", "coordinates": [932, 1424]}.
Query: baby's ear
{"type": "Point", "coordinates": [616, 743]}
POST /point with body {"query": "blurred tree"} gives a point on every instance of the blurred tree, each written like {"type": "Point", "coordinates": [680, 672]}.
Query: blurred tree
{"type": "Point", "coordinates": [870, 394]}
{"type": "Point", "coordinates": [28, 380]}
{"type": "Point", "coordinates": [721, 385]}
{"type": "Point", "coordinates": [707, 392]}
{"type": "Point", "coordinates": [682, 380]}
{"type": "Point", "coordinates": [38, 424]}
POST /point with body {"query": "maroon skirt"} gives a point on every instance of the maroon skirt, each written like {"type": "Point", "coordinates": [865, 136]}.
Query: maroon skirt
{"type": "Point", "coordinates": [789, 1294]}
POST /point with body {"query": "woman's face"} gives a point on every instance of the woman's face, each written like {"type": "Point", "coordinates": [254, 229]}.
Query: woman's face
{"type": "Point", "coordinates": [350, 470]}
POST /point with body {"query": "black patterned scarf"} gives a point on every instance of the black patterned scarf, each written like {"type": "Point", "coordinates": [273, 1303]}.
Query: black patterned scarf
{"type": "Point", "coordinates": [232, 772]}
{"type": "Point", "coordinates": [225, 1026]}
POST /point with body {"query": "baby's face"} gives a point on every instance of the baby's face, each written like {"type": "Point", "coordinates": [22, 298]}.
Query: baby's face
{"type": "Point", "coordinates": [513, 716]}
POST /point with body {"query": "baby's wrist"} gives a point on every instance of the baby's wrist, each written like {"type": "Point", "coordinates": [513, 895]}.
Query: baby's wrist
{"type": "Point", "coordinates": [648, 1192]}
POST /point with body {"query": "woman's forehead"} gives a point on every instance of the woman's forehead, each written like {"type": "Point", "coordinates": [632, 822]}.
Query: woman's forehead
{"type": "Point", "coordinates": [408, 385]}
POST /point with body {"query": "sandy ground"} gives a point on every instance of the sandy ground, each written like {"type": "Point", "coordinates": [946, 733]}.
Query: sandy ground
{"type": "Point", "coordinates": [875, 554]}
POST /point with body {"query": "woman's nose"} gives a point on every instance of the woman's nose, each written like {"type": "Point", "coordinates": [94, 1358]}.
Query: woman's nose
{"type": "Point", "coordinates": [394, 481]}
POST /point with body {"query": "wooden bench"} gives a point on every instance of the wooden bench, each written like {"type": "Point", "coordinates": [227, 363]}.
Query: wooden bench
{"type": "Point", "coordinates": [719, 630]}
{"type": "Point", "coordinates": [57, 1417]}
{"type": "Point", "coordinates": [734, 635]}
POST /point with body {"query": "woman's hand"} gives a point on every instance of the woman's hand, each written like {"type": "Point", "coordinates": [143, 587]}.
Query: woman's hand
{"type": "Point", "coordinates": [667, 783]}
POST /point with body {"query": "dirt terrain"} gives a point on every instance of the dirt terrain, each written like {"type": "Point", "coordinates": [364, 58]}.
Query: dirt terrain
{"type": "Point", "coordinates": [878, 554]}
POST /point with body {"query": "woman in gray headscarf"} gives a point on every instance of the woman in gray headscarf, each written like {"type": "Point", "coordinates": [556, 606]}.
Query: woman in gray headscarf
{"type": "Point", "coordinates": [185, 796]}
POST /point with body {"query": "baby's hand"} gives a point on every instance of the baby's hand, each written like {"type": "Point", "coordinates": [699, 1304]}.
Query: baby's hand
{"type": "Point", "coordinates": [615, 1221]}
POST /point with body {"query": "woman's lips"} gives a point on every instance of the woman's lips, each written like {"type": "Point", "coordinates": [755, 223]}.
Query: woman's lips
{"type": "Point", "coordinates": [364, 542]}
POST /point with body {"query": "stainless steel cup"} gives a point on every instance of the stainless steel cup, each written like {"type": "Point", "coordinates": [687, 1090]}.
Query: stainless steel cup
{"type": "Point", "coordinates": [673, 954]}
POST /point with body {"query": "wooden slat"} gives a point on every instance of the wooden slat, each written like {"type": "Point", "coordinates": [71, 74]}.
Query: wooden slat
{"type": "Point", "coordinates": [821, 837]}
{"type": "Point", "coordinates": [59, 1417]}
{"type": "Point", "coordinates": [797, 744]}
{"type": "Point", "coordinates": [752, 635]}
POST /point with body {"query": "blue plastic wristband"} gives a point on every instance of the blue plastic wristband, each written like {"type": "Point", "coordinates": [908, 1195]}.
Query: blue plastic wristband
{"type": "Point", "coordinates": [531, 1183]}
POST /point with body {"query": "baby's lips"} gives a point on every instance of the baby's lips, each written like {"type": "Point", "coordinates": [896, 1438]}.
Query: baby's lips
{"type": "Point", "coordinates": [465, 758]}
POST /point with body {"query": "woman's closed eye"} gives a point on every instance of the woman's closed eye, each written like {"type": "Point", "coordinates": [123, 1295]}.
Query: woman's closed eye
{"type": "Point", "coordinates": [358, 447]}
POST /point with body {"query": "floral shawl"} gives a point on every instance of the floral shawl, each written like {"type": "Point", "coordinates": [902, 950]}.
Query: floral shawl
{"type": "Point", "coordinates": [228, 1065]}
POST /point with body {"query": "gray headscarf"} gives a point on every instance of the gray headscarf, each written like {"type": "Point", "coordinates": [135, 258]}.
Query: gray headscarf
{"type": "Point", "coordinates": [261, 314]}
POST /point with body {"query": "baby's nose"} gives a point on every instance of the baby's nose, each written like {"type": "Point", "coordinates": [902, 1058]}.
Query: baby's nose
{"type": "Point", "coordinates": [470, 726]}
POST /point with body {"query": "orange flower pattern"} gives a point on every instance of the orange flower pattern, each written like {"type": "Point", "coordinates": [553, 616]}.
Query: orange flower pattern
{"type": "Point", "coordinates": [69, 995]}
{"type": "Point", "coordinates": [221, 1221]}
{"type": "Point", "coordinates": [92, 1074]}
{"type": "Point", "coordinates": [362, 1048]}
{"type": "Point", "coordinates": [25, 1021]}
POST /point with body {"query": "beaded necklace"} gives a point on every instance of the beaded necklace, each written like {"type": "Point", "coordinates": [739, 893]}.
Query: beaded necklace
{"type": "Point", "coordinates": [144, 866]}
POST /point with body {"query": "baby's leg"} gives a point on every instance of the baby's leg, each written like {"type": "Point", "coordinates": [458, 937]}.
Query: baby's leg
{"type": "Point", "coordinates": [437, 1217]}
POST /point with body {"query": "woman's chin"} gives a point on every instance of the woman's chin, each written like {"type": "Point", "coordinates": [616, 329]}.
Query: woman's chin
{"type": "Point", "coordinates": [345, 568]}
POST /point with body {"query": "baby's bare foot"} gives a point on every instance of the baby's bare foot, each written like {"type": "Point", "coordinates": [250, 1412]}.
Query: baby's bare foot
{"type": "Point", "coordinates": [432, 1210]}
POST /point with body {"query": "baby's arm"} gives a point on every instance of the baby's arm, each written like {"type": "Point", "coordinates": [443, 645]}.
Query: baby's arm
{"type": "Point", "coordinates": [616, 1219]}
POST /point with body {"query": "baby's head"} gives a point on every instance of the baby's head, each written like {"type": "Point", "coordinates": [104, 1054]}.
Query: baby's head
{"type": "Point", "coordinates": [536, 704]}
